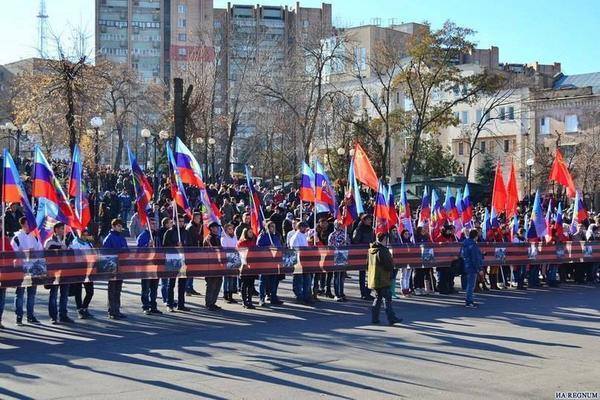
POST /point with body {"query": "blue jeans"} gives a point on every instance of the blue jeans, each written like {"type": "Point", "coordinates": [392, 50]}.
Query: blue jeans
{"type": "Point", "coordinates": [230, 284]}
{"type": "Point", "coordinates": [551, 275]}
{"type": "Point", "coordinates": [189, 285]}
{"type": "Point", "coordinates": [302, 284]}
{"type": "Point", "coordinates": [61, 310]}
{"type": "Point", "coordinates": [2, 298]}
{"type": "Point", "coordinates": [383, 295]}
{"type": "Point", "coordinates": [149, 294]}
{"type": "Point", "coordinates": [362, 283]}
{"type": "Point", "coordinates": [534, 277]}
{"type": "Point", "coordinates": [164, 289]}
{"type": "Point", "coordinates": [20, 294]}
{"type": "Point", "coordinates": [519, 272]}
{"type": "Point", "coordinates": [471, 281]}
{"type": "Point", "coordinates": [268, 287]}
{"type": "Point", "coordinates": [338, 283]}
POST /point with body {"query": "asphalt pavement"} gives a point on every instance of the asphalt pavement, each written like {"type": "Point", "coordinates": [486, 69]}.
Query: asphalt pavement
{"type": "Point", "coordinates": [517, 345]}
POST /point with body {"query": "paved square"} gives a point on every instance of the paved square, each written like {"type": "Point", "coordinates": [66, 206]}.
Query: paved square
{"type": "Point", "coordinates": [517, 345]}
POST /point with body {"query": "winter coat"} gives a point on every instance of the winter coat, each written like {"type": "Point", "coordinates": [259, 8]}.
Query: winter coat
{"type": "Point", "coordinates": [363, 234]}
{"type": "Point", "coordinates": [472, 256]}
{"type": "Point", "coordinates": [114, 240]}
{"type": "Point", "coordinates": [380, 266]}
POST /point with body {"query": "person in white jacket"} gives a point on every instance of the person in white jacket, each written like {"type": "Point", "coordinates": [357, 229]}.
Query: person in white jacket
{"type": "Point", "coordinates": [229, 241]}
{"type": "Point", "coordinates": [301, 283]}
{"type": "Point", "coordinates": [25, 240]}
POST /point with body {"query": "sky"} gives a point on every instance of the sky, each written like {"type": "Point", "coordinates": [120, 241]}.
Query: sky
{"type": "Point", "coordinates": [525, 30]}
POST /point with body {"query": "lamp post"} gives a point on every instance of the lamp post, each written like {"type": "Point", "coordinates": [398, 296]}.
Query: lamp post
{"type": "Point", "coordinates": [145, 134]}
{"type": "Point", "coordinates": [211, 144]}
{"type": "Point", "coordinates": [12, 129]}
{"type": "Point", "coordinates": [529, 162]}
{"type": "Point", "coordinates": [96, 123]}
{"type": "Point", "coordinates": [162, 135]}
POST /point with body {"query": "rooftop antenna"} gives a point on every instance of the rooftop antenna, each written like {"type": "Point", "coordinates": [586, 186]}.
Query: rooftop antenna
{"type": "Point", "coordinates": [42, 29]}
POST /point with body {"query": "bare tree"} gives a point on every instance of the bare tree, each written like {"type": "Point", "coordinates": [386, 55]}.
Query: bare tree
{"type": "Point", "coordinates": [383, 64]}
{"type": "Point", "coordinates": [301, 87]}
{"type": "Point", "coordinates": [434, 84]}
{"type": "Point", "coordinates": [490, 100]}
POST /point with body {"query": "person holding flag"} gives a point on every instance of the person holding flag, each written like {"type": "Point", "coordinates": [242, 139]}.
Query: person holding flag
{"type": "Point", "coordinates": [364, 235]}
{"type": "Point", "coordinates": [77, 190]}
{"type": "Point", "coordinates": [22, 241]}
{"type": "Point", "coordinates": [115, 241]}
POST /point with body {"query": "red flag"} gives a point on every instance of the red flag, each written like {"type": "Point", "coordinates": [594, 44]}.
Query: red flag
{"type": "Point", "coordinates": [363, 170]}
{"type": "Point", "coordinates": [512, 192]}
{"type": "Point", "coordinates": [499, 196]}
{"type": "Point", "coordinates": [560, 174]}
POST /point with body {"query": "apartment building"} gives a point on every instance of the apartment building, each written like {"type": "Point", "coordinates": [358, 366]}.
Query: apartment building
{"type": "Point", "coordinates": [268, 34]}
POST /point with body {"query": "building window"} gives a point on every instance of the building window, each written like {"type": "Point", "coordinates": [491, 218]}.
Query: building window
{"type": "Point", "coordinates": [461, 148]}
{"type": "Point", "coordinates": [305, 23]}
{"type": "Point", "coordinates": [506, 146]}
{"type": "Point", "coordinates": [182, 51]}
{"type": "Point", "coordinates": [571, 123]}
{"type": "Point", "coordinates": [182, 9]}
{"type": "Point", "coordinates": [502, 114]}
{"type": "Point", "coordinates": [397, 97]}
{"type": "Point", "coordinates": [545, 125]}
{"type": "Point", "coordinates": [181, 23]}
{"type": "Point", "coordinates": [478, 115]}
{"type": "Point", "coordinates": [408, 105]}
{"type": "Point", "coordinates": [482, 147]}
{"type": "Point", "coordinates": [511, 113]}
{"type": "Point", "coordinates": [464, 117]}
{"type": "Point", "coordinates": [182, 37]}
{"type": "Point", "coordinates": [360, 58]}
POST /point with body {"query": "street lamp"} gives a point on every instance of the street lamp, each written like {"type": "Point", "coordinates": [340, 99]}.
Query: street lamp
{"type": "Point", "coordinates": [12, 129]}
{"type": "Point", "coordinates": [211, 144]}
{"type": "Point", "coordinates": [96, 123]}
{"type": "Point", "coordinates": [162, 135]}
{"type": "Point", "coordinates": [145, 134]}
{"type": "Point", "coordinates": [529, 162]}
{"type": "Point", "coordinates": [341, 151]}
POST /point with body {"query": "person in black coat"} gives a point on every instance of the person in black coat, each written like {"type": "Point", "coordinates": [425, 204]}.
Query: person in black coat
{"type": "Point", "coordinates": [176, 236]}
{"type": "Point", "coordinates": [364, 235]}
{"type": "Point", "coordinates": [195, 238]}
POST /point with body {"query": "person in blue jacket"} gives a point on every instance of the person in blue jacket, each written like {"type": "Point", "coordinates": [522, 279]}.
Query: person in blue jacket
{"type": "Point", "coordinates": [115, 240]}
{"type": "Point", "coordinates": [473, 261]}
{"type": "Point", "coordinates": [269, 283]}
{"type": "Point", "coordinates": [149, 286]}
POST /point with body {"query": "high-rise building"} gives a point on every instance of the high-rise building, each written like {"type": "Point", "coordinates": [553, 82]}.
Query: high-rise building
{"type": "Point", "coordinates": [246, 31]}
{"type": "Point", "coordinates": [132, 32]}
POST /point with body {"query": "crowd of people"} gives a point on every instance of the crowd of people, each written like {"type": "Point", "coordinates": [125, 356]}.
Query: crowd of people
{"type": "Point", "coordinates": [288, 223]}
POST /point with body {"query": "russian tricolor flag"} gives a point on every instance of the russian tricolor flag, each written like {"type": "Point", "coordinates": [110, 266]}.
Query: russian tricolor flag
{"type": "Point", "coordinates": [307, 184]}
{"type": "Point", "coordinates": [46, 185]}
{"type": "Point", "coordinates": [467, 211]}
{"type": "Point", "coordinates": [425, 214]}
{"type": "Point", "coordinates": [77, 190]}
{"type": "Point", "coordinates": [450, 206]}
{"type": "Point", "coordinates": [13, 191]}
{"type": "Point", "coordinates": [142, 188]}
{"type": "Point", "coordinates": [189, 169]}
{"type": "Point", "coordinates": [324, 193]}
{"type": "Point", "coordinates": [382, 210]}
{"type": "Point", "coordinates": [177, 188]}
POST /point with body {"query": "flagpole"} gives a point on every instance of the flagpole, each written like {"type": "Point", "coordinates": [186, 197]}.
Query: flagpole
{"type": "Point", "coordinates": [3, 222]}
{"type": "Point", "coordinates": [264, 219]}
{"type": "Point", "coordinates": [176, 216]}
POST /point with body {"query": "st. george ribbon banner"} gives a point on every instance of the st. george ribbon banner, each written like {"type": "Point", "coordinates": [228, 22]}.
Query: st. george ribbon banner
{"type": "Point", "coordinates": [70, 266]}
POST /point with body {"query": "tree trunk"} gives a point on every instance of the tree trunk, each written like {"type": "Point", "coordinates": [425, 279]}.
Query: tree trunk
{"type": "Point", "coordinates": [71, 118]}
{"type": "Point", "coordinates": [229, 148]}
{"type": "Point", "coordinates": [410, 165]}
{"type": "Point", "coordinates": [119, 154]}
